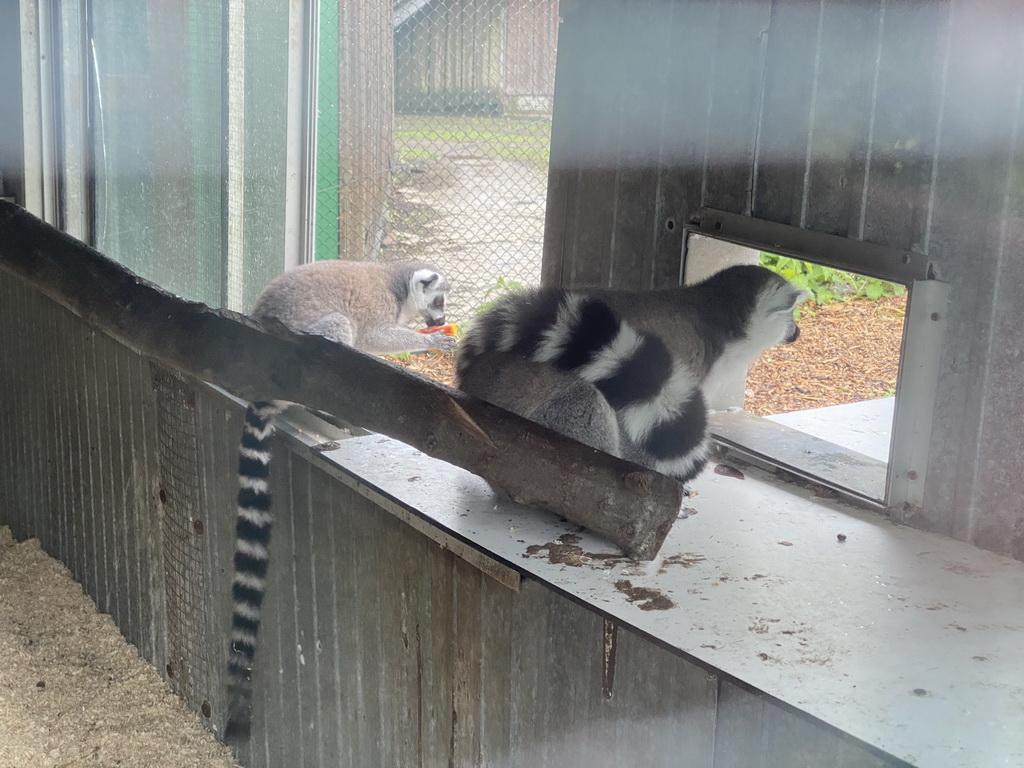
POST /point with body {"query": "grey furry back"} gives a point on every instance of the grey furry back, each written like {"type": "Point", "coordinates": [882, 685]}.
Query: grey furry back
{"type": "Point", "coordinates": [656, 402]}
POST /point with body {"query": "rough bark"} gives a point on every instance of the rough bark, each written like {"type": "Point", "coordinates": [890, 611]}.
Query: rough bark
{"type": "Point", "coordinates": [631, 506]}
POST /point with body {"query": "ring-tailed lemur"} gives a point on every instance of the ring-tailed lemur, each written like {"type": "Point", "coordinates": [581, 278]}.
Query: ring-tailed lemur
{"type": "Point", "coordinates": [587, 354]}
{"type": "Point", "coordinates": [630, 373]}
{"type": "Point", "coordinates": [364, 305]}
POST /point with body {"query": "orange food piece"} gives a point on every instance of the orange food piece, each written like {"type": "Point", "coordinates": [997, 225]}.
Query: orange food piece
{"type": "Point", "coordinates": [449, 330]}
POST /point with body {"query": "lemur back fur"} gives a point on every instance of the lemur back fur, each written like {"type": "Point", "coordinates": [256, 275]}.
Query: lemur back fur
{"type": "Point", "coordinates": [709, 332]}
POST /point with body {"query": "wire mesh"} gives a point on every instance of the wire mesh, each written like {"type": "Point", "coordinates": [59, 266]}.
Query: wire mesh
{"type": "Point", "coordinates": [443, 116]}
{"type": "Point", "coordinates": [188, 650]}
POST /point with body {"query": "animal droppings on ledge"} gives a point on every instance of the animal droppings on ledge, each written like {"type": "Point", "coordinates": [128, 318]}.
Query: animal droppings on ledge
{"type": "Point", "coordinates": [685, 559]}
{"type": "Point", "coordinates": [560, 553]}
{"type": "Point", "coordinates": [331, 445]}
{"type": "Point", "coordinates": [649, 599]}
{"type": "Point", "coordinates": [823, 492]}
{"type": "Point", "coordinates": [728, 470]}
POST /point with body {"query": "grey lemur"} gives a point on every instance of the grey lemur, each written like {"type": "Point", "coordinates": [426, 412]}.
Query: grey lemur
{"type": "Point", "coordinates": [365, 305]}
{"type": "Point", "coordinates": [631, 373]}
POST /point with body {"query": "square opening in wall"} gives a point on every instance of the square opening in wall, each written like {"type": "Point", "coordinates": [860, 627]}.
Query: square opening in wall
{"type": "Point", "coordinates": [824, 408]}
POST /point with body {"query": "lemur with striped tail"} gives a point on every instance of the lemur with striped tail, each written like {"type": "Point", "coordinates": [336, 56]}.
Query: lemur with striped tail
{"type": "Point", "coordinates": [365, 305]}
{"type": "Point", "coordinates": [631, 373]}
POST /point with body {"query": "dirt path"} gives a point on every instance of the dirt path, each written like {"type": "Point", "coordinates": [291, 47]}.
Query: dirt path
{"type": "Point", "coordinates": [73, 692]}
{"type": "Point", "coordinates": [476, 218]}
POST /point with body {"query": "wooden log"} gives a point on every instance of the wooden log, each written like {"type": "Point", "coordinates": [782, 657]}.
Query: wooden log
{"type": "Point", "coordinates": [631, 506]}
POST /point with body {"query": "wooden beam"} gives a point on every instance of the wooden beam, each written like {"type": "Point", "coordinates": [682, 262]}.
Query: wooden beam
{"type": "Point", "coordinates": [631, 506]}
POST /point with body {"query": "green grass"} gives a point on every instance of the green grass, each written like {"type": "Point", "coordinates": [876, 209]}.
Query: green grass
{"type": "Point", "coordinates": [408, 154]}
{"type": "Point", "coordinates": [526, 138]}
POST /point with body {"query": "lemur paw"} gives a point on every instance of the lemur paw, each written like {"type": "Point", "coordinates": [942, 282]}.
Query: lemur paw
{"type": "Point", "coordinates": [440, 340]}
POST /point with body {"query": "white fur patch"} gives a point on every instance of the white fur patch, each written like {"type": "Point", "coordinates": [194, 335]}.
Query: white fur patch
{"type": "Point", "coordinates": [683, 466]}
{"type": "Point", "coordinates": [257, 517]}
{"type": "Point", "coordinates": [246, 611]}
{"type": "Point", "coordinates": [508, 334]}
{"type": "Point", "coordinates": [250, 581]}
{"type": "Point", "coordinates": [255, 484]}
{"type": "Point", "coordinates": [252, 549]}
{"type": "Point", "coordinates": [421, 278]}
{"type": "Point", "coordinates": [554, 339]}
{"type": "Point", "coordinates": [641, 419]}
{"type": "Point", "coordinates": [259, 434]}
{"type": "Point", "coordinates": [242, 636]}
{"type": "Point", "coordinates": [263, 457]}
{"type": "Point", "coordinates": [268, 412]}
{"type": "Point", "coordinates": [611, 357]}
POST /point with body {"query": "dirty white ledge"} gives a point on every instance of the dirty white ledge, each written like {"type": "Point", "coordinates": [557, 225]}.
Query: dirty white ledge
{"type": "Point", "coordinates": [906, 640]}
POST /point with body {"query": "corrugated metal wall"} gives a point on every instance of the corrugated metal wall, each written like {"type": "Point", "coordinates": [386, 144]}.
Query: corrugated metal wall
{"type": "Point", "coordinates": [379, 646]}
{"type": "Point", "coordinates": [897, 122]}
{"type": "Point", "coordinates": [530, 44]}
{"type": "Point", "coordinates": [448, 58]}
{"type": "Point", "coordinates": [477, 56]}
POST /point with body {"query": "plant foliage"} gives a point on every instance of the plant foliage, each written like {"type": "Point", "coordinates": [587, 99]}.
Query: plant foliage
{"type": "Point", "coordinates": [828, 285]}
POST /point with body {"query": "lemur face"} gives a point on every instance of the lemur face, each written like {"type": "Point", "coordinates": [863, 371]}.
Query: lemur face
{"type": "Point", "coordinates": [772, 321]}
{"type": "Point", "coordinates": [428, 292]}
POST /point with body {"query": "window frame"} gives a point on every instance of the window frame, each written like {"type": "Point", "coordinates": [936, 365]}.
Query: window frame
{"type": "Point", "coordinates": [916, 388]}
{"type": "Point", "coordinates": [60, 88]}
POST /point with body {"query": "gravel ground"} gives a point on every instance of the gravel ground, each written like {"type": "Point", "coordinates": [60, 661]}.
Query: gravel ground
{"type": "Point", "coordinates": [73, 692]}
{"type": "Point", "coordinates": [847, 352]}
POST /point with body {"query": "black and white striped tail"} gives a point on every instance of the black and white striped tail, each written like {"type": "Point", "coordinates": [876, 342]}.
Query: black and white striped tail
{"type": "Point", "coordinates": [658, 399]}
{"type": "Point", "coordinates": [252, 538]}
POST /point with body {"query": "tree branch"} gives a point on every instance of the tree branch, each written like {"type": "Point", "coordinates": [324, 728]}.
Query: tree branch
{"type": "Point", "coordinates": [629, 505]}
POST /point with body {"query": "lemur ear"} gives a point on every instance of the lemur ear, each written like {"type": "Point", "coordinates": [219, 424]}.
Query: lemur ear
{"type": "Point", "coordinates": [426, 279]}
{"type": "Point", "coordinates": [800, 298]}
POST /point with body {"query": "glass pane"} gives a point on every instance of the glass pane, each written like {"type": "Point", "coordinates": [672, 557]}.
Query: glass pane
{"type": "Point", "coordinates": [161, 113]}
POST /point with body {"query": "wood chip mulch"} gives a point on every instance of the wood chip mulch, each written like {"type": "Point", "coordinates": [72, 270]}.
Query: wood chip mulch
{"type": "Point", "coordinates": [847, 352]}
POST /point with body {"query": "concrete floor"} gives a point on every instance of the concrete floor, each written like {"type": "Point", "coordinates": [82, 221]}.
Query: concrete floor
{"type": "Point", "coordinates": [864, 427]}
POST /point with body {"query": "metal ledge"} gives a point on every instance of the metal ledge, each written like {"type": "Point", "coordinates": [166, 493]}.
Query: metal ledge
{"type": "Point", "coordinates": [897, 266]}
{"type": "Point", "coordinates": [770, 445]}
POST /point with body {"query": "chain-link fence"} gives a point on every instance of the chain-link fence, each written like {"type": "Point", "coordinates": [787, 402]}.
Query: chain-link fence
{"type": "Point", "coordinates": [440, 147]}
